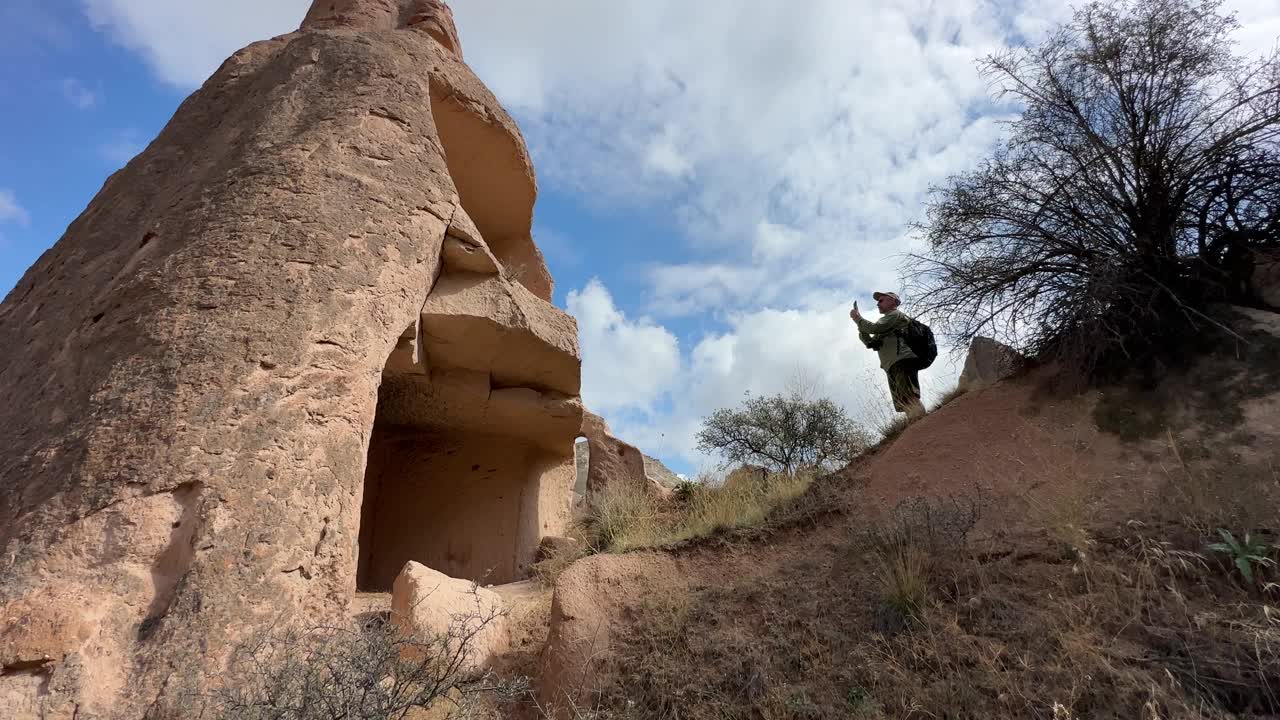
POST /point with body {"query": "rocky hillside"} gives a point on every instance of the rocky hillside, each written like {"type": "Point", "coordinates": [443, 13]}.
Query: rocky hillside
{"type": "Point", "coordinates": [1016, 553]}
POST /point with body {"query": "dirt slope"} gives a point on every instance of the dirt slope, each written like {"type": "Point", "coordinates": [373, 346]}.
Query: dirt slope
{"type": "Point", "coordinates": [1062, 557]}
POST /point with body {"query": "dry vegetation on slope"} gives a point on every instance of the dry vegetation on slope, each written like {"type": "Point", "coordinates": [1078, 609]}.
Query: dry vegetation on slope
{"type": "Point", "coordinates": [916, 616]}
{"type": "Point", "coordinates": [1003, 557]}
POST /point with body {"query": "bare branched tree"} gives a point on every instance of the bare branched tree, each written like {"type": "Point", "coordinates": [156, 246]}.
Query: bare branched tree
{"type": "Point", "coordinates": [1131, 193]}
{"type": "Point", "coordinates": [784, 433]}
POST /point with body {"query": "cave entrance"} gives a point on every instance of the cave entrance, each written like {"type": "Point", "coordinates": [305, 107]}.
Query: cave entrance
{"type": "Point", "coordinates": [444, 490]}
{"type": "Point", "coordinates": [451, 501]}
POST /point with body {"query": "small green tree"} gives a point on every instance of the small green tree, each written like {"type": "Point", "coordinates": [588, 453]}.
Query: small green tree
{"type": "Point", "coordinates": [784, 433]}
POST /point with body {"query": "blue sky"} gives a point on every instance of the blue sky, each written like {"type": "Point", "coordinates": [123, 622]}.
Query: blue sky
{"type": "Point", "coordinates": [718, 180]}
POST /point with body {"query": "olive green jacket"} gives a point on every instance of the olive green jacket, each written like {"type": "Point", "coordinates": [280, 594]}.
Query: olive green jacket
{"type": "Point", "coordinates": [883, 337]}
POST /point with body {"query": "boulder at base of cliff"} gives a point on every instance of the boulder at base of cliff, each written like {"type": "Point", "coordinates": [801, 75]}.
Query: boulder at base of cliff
{"type": "Point", "coordinates": [438, 609]}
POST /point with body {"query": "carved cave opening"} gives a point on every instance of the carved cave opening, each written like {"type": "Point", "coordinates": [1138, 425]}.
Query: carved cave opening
{"type": "Point", "coordinates": [442, 490]}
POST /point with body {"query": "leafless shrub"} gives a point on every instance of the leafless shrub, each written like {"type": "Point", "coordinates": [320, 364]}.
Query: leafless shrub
{"type": "Point", "coordinates": [1131, 193]}
{"type": "Point", "coordinates": [368, 670]}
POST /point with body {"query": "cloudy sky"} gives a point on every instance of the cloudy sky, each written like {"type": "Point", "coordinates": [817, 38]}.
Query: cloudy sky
{"type": "Point", "coordinates": [719, 179]}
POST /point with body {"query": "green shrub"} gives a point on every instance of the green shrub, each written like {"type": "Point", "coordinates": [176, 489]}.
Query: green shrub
{"type": "Point", "coordinates": [1248, 556]}
{"type": "Point", "coordinates": [784, 433]}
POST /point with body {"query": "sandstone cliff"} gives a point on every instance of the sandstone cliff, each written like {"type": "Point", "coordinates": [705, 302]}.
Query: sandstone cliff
{"type": "Point", "coordinates": [302, 338]}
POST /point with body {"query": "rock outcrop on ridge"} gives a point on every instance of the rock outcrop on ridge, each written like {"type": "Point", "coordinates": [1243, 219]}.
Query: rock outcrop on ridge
{"type": "Point", "coordinates": [303, 338]}
{"type": "Point", "coordinates": [988, 362]}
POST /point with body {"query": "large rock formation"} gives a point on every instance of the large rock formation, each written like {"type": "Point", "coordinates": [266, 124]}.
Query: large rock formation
{"type": "Point", "coordinates": [655, 470]}
{"type": "Point", "coordinates": [303, 338]}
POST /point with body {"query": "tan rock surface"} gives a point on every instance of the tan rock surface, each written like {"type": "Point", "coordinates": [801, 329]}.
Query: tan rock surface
{"type": "Point", "coordinates": [610, 460]}
{"type": "Point", "coordinates": [430, 16]}
{"type": "Point", "coordinates": [194, 370]}
{"type": "Point", "coordinates": [988, 362]}
{"type": "Point", "coordinates": [1266, 278]}
{"type": "Point", "coordinates": [432, 607]}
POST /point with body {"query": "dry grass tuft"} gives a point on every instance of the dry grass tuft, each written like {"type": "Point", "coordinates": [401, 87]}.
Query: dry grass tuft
{"type": "Point", "coordinates": [907, 550]}
{"type": "Point", "coordinates": [1064, 508]}
{"type": "Point", "coordinates": [623, 518]}
{"type": "Point", "coordinates": [744, 500]}
{"type": "Point", "coordinates": [893, 427]}
{"type": "Point", "coordinates": [950, 395]}
{"type": "Point", "coordinates": [1217, 491]}
{"type": "Point", "coordinates": [556, 560]}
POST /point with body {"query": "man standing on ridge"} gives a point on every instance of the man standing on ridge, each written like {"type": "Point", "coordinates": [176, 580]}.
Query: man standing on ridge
{"type": "Point", "coordinates": [896, 357]}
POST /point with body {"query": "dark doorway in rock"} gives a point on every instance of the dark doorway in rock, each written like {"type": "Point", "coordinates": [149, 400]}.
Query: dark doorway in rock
{"type": "Point", "coordinates": [440, 488]}
{"type": "Point", "coordinates": [455, 502]}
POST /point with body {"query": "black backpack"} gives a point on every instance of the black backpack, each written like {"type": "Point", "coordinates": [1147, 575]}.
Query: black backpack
{"type": "Point", "coordinates": [919, 338]}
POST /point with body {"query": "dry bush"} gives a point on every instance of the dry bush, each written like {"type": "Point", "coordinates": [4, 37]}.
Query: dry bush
{"type": "Point", "coordinates": [363, 670]}
{"type": "Point", "coordinates": [910, 547]}
{"type": "Point", "coordinates": [1141, 174]}
{"type": "Point", "coordinates": [622, 518]}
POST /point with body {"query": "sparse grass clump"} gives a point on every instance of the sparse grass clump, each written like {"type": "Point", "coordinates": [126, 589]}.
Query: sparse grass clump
{"type": "Point", "coordinates": [1063, 508]}
{"type": "Point", "coordinates": [744, 500]}
{"type": "Point", "coordinates": [911, 545]}
{"type": "Point", "coordinates": [950, 395]}
{"type": "Point", "coordinates": [893, 427]}
{"type": "Point", "coordinates": [623, 518]}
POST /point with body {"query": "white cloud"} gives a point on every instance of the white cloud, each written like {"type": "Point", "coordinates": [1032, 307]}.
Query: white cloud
{"type": "Point", "coordinates": [665, 157]}
{"type": "Point", "coordinates": [792, 143]}
{"type": "Point", "coordinates": [628, 365]}
{"type": "Point", "coordinates": [762, 353]}
{"type": "Point", "coordinates": [81, 97]}
{"type": "Point", "coordinates": [11, 211]}
{"type": "Point", "coordinates": [184, 42]}
{"type": "Point", "coordinates": [774, 242]}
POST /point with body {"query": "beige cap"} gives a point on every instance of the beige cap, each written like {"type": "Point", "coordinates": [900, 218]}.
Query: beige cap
{"type": "Point", "coordinates": [878, 295]}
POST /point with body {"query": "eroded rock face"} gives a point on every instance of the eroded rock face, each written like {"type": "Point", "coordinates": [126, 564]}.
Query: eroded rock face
{"type": "Point", "coordinates": [250, 320]}
{"type": "Point", "coordinates": [435, 608]}
{"type": "Point", "coordinates": [612, 461]}
{"type": "Point", "coordinates": [430, 16]}
{"type": "Point", "coordinates": [988, 362]}
{"type": "Point", "coordinates": [1266, 278]}
{"type": "Point", "coordinates": [587, 601]}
